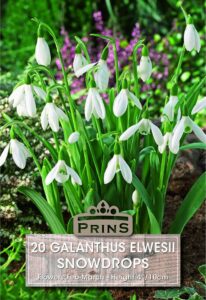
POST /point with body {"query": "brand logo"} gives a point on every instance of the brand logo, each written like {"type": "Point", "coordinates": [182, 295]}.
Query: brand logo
{"type": "Point", "coordinates": [103, 220]}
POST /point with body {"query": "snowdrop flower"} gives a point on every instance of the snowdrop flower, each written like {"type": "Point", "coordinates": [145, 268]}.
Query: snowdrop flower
{"type": "Point", "coordinates": [94, 104]}
{"type": "Point", "coordinates": [186, 124]}
{"type": "Point", "coordinates": [121, 101]}
{"type": "Point", "coordinates": [115, 165]}
{"type": "Point", "coordinates": [18, 151]}
{"type": "Point", "coordinates": [144, 127]}
{"type": "Point", "coordinates": [80, 64]}
{"type": "Point", "coordinates": [51, 115]}
{"type": "Point", "coordinates": [199, 106]}
{"type": "Point", "coordinates": [22, 98]}
{"type": "Point", "coordinates": [191, 37]}
{"type": "Point", "coordinates": [145, 67]}
{"type": "Point", "coordinates": [167, 141]}
{"type": "Point", "coordinates": [101, 75]}
{"type": "Point", "coordinates": [61, 173]}
{"type": "Point", "coordinates": [74, 137]}
{"type": "Point", "coordinates": [169, 109]}
{"type": "Point", "coordinates": [42, 52]}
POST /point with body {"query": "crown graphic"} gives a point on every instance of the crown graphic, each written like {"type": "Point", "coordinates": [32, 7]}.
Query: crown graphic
{"type": "Point", "coordinates": [103, 220]}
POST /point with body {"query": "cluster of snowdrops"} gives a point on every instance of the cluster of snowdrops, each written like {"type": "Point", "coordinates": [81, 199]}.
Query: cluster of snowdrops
{"type": "Point", "coordinates": [123, 118]}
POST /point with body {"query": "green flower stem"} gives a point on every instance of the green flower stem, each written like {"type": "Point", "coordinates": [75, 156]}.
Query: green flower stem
{"type": "Point", "coordinates": [32, 131]}
{"type": "Point", "coordinates": [59, 87]}
{"type": "Point", "coordinates": [56, 141]}
{"type": "Point", "coordinates": [96, 121]}
{"type": "Point", "coordinates": [162, 170]}
{"type": "Point", "coordinates": [137, 208]}
{"type": "Point", "coordinates": [116, 62]}
{"type": "Point", "coordinates": [87, 164]}
{"type": "Point", "coordinates": [177, 71]}
{"type": "Point", "coordinates": [134, 61]}
{"type": "Point", "coordinates": [184, 13]}
{"type": "Point", "coordinates": [71, 102]}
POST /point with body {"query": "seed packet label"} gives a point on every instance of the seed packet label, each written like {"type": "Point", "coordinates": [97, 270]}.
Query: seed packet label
{"type": "Point", "coordinates": [69, 260]}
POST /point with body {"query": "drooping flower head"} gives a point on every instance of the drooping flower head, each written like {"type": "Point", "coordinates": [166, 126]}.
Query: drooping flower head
{"type": "Point", "coordinates": [51, 115]}
{"type": "Point", "coordinates": [22, 98]}
{"type": "Point", "coordinates": [102, 73]}
{"type": "Point", "coordinates": [122, 99]}
{"type": "Point", "coordinates": [115, 165]}
{"type": "Point", "coordinates": [62, 172]}
{"type": "Point", "coordinates": [145, 126]}
{"type": "Point", "coordinates": [199, 106]}
{"type": "Point", "coordinates": [191, 36]}
{"type": "Point", "coordinates": [74, 137]}
{"type": "Point", "coordinates": [186, 124]}
{"type": "Point", "coordinates": [80, 64]}
{"type": "Point", "coordinates": [144, 69]}
{"type": "Point", "coordinates": [169, 109]}
{"type": "Point", "coordinates": [18, 151]}
{"type": "Point", "coordinates": [94, 104]}
{"type": "Point", "coordinates": [42, 52]}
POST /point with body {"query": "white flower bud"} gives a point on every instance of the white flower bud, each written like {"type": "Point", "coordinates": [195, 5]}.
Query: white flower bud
{"type": "Point", "coordinates": [74, 137]}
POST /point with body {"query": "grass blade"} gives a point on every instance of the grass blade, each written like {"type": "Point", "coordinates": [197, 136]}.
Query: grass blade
{"type": "Point", "coordinates": [50, 217]}
{"type": "Point", "coordinates": [190, 205]}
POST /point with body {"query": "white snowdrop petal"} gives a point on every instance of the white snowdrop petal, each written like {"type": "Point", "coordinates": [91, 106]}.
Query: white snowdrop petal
{"type": "Point", "coordinates": [74, 175]}
{"type": "Point", "coordinates": [52, 174]}
{"type": "Point", "coordinates": [101, 76]}
{"type": "Point", "coordinates": [61, 114]}
{"type": "Point", "coordinates": [199, 106]}
{"type": "Point", "coordinates": [110, 170]}
{"type": "Point", "coordinates": [84, 69]}
{"type": "Point", "coordinates": [177, 135]}
{"type": "Point", "coordinates": [135, 100]}
{"type": "Point", "coordinates": [125, 170]}
{"type": "Point", "coordinates": [79, 62]}
{"type": "Point", "coordinates": [98, 104]}
{"type": "Point", "coordinates": [22, 109]}
{"type": "Point", "coordinates": [30, 102]}
{"type": "Point", "coordinates": [189, 37]}
{"type": "Point", "coordinates": [145, 68]}
{"type": "Point", "coordinates": [4, 155]}
{"type": "Point", "coordinates": [17, 95]}
{"type": "Point", "coordinates": [24, 150]}
{"type": "Point", "coordinates": [157, 135]}
{"type": "Point", "coordinates": [162, 147]}
{"type": "Point", "coordinates": [52, 117]}
{"type": "Point", "coordinates": [44, 118]}
{"type": "Point", "coordinates": [129, 132]}
{"type": "Point", "coordinates": [42, 52]}
{"type": "Point", "coordinates": [120, 103]}
{"type": "Point", "coordinates": [39, 92]}
{"type": "Point", "coordinates": [17, 154]}
{"type": "Point", "coordinates": [88, 110]}
{"type": "Point", "coordinates": [197, 41]}
{"type": "Point", "coordinates": [198, 132]}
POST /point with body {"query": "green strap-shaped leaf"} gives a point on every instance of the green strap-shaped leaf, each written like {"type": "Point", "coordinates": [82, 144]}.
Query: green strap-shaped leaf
{"type": "Point", "coordinates": [193, 146]}
{"type": "Point", "coordinates": [190, 205]}
{"type": "Point", "coordinates": [155, 227]}
{"type": "Point", "coordinates": [51, 191]}
{"type": "Point", "coordinates": [50, 217]}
